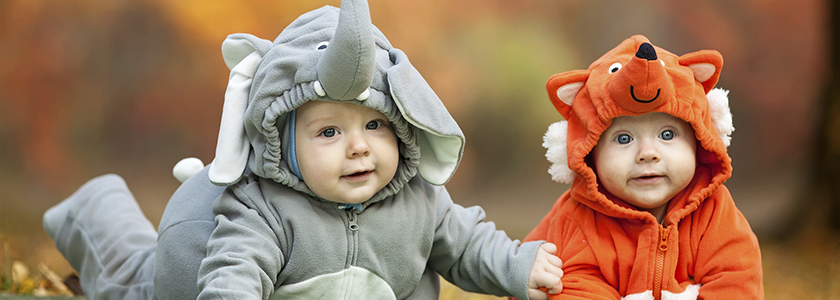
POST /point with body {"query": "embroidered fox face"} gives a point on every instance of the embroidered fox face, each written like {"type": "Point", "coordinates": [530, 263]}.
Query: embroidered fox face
{"type": "Point", "coordinates": [632, 79]}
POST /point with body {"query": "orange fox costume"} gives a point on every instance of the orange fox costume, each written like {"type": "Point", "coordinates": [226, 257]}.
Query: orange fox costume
{"type": "Point", "coordinates": [704, 248]}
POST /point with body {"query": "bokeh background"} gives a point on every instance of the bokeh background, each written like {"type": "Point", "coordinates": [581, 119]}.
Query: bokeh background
{"type": "Point", "coordinates": [89, 87]}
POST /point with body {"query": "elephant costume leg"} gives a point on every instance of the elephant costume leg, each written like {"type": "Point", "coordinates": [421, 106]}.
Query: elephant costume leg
{"type": "Point", "coordinates": [105, 237]}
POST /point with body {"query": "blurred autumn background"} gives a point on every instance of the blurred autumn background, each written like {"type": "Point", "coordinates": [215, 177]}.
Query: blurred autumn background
{"type": "Point", "coordinates": [89, 87]}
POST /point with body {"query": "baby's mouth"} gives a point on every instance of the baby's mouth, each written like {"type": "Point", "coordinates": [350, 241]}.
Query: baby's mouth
{"type": "Point", "coordinates": [648, 178]}
{"type": "Point", "coordinates": [358, 176]}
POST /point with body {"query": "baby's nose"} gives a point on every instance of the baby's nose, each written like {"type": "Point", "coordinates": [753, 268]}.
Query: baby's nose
{"type": "Point", "coordinates": [647, 152]}
{"type": "Point", "coordinates": [358, 146]}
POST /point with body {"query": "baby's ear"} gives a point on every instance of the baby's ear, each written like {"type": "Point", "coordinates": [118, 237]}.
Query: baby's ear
{"type": "Point", "coordinates": [706, 65]}
{"type": "Point", "coordinates": [564, 87]}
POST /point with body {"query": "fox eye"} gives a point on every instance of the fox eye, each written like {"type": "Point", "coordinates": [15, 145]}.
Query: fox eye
{"type": "Point", "coordinates": [322, 45]}
{"type": "Point", "coordinates": [329, 132]}
{"type": "Point", "coordinates": [667, 135]}
{"type": "Point", "coordinates": [623, 139]}
{"type": "Point", "coordinates": [615, 67]}
{"type": "Point", "coordinates": [373, 125]}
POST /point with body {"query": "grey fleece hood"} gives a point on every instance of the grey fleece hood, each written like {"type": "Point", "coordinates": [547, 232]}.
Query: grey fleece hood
{"type": "Point", "coordinates": [328, 55]}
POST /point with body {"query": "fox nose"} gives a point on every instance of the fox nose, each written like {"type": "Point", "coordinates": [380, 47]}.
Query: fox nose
{"type": "Point", "coordinates": [643, 83]}
{"type": "Point", "coordinates": [646, 51]}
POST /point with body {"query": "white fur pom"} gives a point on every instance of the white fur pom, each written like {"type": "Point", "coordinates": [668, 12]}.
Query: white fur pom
{"type": "Point", "coordinates": [186, 168]}
{"type": "Point", "coordinates": [555, 141]}
{"type": "Point", "coordinates": [692, 292]}
{"type": "Point", "coordinates": [720, 113]}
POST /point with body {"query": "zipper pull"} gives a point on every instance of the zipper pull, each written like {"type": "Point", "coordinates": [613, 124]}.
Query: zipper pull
{"type": "Point", "coordinates": [663, 240]}
{"type": "Point", "coordinates": [351, 215]}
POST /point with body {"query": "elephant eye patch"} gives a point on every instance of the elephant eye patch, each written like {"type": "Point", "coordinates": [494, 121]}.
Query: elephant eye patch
{"type": "Point", "coordinates": [322, 45]}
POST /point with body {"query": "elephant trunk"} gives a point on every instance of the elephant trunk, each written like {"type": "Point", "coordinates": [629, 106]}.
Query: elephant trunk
{"type": "Point", "coordinates": [346, 68]}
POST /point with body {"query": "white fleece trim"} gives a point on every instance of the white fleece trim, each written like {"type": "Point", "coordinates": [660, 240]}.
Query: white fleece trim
{"type": "Point", "coordinates": [691, 293]}
{"type": "Point", "coordinates": [646, 295]}
{"type": "Point", "coordinates": [350, 283]}
{"type": "Point", "coordinates": [555, 141]}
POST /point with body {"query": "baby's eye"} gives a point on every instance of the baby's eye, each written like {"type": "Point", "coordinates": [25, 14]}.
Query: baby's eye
{"type": "Point", "coordinates": [667, 135]}
{"type": "Point", "coordinates": [329, 132]}
{"type": "Point", "coordinates": [322, 45]}
{"type": "Point", "coordinates": [373, 125]}
{"type": "Point", "coordinates": [615, 67]}
{"type": "Point", "coordinates": [623, 139]}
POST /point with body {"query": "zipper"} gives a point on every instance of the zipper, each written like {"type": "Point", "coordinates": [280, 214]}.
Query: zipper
{"type": "Point", "coordinates": [660, 262]}
{"type": "Point", "coordinates": [353, 241]}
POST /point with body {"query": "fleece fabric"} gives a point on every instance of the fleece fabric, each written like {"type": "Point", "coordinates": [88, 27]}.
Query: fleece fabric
{"type": "Point", "coordinates": [273, 242]}
{"type": "Point", "coordinates": [275, 237]}
{"type": "Point", "coordinates": [704, 248]}
{"type": "Point", "coordinates": [268, 234]}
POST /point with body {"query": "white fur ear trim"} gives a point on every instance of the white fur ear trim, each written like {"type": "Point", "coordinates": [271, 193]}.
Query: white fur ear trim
{"type": "Point", "coordinates": [555, 141]}
{"type": "Point", "coordinates": [568, 92]}
{"type": "Point", "coordinates": [720, 114]}
{"type": "Point", "coordinates": [186, 168]}
{"type": "Point", "coordinates": [702, 71]}
{"type": "Point", "coordinates": [232, 147]}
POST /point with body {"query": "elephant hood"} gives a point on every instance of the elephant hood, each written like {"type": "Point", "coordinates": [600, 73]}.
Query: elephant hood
{"type": "Point", "coordinates": [271, 79]}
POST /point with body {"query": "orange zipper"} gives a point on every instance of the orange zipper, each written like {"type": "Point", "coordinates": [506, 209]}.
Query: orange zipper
{"type": "Point", "coordinates": [660, 262]}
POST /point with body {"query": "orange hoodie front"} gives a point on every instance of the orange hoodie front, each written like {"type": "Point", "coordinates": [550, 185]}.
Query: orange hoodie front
{"type": "Point", "coordinates": [704, 248]}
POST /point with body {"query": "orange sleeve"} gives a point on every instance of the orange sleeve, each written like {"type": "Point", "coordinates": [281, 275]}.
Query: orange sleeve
{"type": "Point", "coordinates": [728, 259]}
{"type": "Point", "coordinates": [582, 277]}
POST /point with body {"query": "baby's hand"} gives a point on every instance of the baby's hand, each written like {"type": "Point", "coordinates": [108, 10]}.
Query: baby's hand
{"type": "Point", "coordinates": [547, 271]}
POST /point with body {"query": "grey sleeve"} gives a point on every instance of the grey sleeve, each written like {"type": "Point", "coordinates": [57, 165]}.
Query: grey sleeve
{"type": "Point", "coordinates": [475, 256]}
{"type": "Point", "coordinates": [243, 256]}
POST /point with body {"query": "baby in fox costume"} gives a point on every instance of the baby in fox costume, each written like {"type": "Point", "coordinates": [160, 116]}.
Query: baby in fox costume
{"type": "Point", "coordinates": [644, 148]}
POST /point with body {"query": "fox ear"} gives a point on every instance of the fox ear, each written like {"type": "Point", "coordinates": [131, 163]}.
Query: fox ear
{"type": "Point", "coordinates": [706, 65]}
{"type": "Point", "coordinates": [564, 87]}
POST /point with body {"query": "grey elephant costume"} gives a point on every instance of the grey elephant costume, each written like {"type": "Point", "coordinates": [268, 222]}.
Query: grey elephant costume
{"type": "Point", "coordinates": [259, 231]}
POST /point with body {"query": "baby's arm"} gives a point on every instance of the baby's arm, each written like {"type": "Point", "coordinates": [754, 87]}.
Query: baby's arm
{"type": "Point", "coordinates": [546, 273]}
{"type": "Point", "coordinates": [475, 256]}
{"type": "Point", "coordinates": [243, 256]}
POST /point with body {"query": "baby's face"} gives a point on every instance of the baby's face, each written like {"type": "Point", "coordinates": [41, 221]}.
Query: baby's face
{"type": "Point", "coordinates": [346, 152]}
{"type": "Point", "coordinates": [646, 160]}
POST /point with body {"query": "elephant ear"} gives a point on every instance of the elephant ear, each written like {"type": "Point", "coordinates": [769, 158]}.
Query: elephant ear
{"type": "Point", "coordinates": [242, 54]}
{"type": "Point", "coordinates": [440, 139]}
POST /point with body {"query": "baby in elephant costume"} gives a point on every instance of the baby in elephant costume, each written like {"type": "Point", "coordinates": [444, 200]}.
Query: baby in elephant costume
{"type": "Point", "coordinates": [327, 183]}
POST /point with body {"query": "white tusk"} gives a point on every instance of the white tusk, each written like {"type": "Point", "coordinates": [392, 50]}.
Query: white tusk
{"type": "Point", "coordinates": [319, 89]}
{"type": "Point", "coordinates": [364, 95]}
